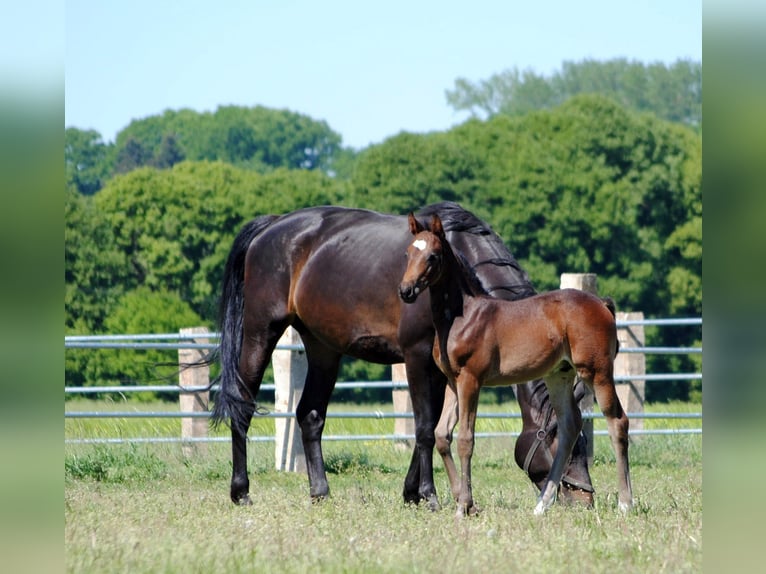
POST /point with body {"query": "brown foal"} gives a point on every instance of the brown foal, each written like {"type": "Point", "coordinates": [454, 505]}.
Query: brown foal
{"type": "Point", "coordinates": [486, 341]}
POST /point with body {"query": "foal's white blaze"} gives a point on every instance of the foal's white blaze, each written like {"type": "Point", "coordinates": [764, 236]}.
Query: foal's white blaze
{"type": "Point", "coordinates": [419, 244]}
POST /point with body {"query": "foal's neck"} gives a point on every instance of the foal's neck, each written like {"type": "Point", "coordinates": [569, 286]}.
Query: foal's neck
{"type": "Point", "coordinates": [450, 292]}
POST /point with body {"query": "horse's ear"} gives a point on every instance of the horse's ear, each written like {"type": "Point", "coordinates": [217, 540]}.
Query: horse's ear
{"type": "Point", "coordinates": [415, 226]}
{"type": "Point", "coordinates": [436, 226]}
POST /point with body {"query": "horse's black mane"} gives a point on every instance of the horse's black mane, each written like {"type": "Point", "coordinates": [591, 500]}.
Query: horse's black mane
{"type": "Point", "coordinates": [455, 218]}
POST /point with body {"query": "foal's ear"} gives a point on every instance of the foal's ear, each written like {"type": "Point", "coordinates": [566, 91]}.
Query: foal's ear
{"type": "Point", "coordinates": [436, 226]}
{"type": "Point", "coordinates": [415, 226]}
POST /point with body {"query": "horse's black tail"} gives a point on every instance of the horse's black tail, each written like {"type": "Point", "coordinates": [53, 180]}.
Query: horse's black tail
{"type": "Point", "coordinates": [228, 402]}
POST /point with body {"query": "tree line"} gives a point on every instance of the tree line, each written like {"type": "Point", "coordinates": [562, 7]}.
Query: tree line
{"type": "Point", "coordinates": [589, 185]}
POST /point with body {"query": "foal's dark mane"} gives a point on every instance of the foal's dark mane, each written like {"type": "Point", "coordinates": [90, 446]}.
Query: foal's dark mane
{"type": "Point", "coordinates": [455, 218]}
{"type": "Point", "coordinates": [468, 273]}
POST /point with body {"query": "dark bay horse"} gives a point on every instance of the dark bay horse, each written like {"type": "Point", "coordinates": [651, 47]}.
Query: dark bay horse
{"type": "Point", "coordinates": [333, 274]}
{"type": "Point", "coordinates": [484, 341]}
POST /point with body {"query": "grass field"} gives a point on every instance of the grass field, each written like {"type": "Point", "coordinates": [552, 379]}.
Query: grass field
{"type": "Point", "coordinates": [150, 508]}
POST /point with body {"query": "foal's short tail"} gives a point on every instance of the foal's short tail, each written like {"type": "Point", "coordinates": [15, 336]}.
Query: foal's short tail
{"type": "Point", "coordinates": [228, 403]}
{"type": "Point", "coordinates": [609, 302]}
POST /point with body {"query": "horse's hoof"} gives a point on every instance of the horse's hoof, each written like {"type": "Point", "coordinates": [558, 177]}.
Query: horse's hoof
{"type": "Point", "coordinates": [432, 503]}
{"type": "Point", "coordinates": [540, 508]}
{"type": "Point", "coordinates": [243, 500]}
{"type": "Point", "coordinates": [574, 496]}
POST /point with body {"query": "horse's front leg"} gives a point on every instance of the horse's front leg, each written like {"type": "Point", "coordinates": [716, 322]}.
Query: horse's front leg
{"type": "Point", "coordinates": [426, 385]}
{"type": "Point", "coordinates": [468, 401]}
{"type": "Point", "coordinates": [443, 436]}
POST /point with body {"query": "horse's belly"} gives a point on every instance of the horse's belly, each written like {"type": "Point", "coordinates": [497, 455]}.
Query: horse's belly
{"type": "Point", "coordinates": [375, 349]}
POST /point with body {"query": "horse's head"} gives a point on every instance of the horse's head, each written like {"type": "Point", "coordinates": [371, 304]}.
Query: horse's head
{"type": "Point", "coordinates": [425, 256]}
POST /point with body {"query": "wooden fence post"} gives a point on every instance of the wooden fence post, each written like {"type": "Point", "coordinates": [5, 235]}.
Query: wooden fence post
{"type": "Point", "coordinates": [631, 393]}
{"type": "Point", "coordinates": [195, 402]}
{"type": "Point", "coordinates": [584, 282]}
{"type": "Point", "coordinates": [290, 368]}
{"type": "Point", "coordinates": [402, 405]}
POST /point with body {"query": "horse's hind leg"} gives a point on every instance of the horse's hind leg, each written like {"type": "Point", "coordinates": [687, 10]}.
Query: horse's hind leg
{"type": "Point", "coordinates": [311, 412]}
{"type": "Point", "coordinates": [618, 425]}
{"type": "Point", "coordinates": [254, 358]}
{"type": "Point", "coordinates": [443, 436]}
{"type": "Point", "coordinates": [560, 386]}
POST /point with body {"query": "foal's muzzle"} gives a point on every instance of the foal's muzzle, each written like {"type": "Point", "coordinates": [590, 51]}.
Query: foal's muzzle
{"type": "Point", "coordinates": [409, 292]}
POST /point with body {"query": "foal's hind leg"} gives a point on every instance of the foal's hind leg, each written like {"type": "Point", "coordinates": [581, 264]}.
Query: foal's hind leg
{"type": "Point", "coordinates": [443, 436]}
{"type": "Point", "coordinates": [560, 389]}
{"type": "Point", "coordinates": [617, 423]}
{"type": "Point", "coordinates": [468, 387]}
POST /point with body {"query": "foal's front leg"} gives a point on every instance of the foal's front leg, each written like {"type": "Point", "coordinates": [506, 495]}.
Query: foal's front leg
{"type": "Point", "coordinates": [443, 436]}
{"type": "Point", "coordinates": [468, 401]}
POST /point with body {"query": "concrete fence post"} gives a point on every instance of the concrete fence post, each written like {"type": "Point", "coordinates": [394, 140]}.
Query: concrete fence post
{"type": "Point", "coordinates": [193, 401]}
{"type": "Point", "coordinates": [584, 282]}
{"type": "Point", "coordinates": [402, 405]}
{"type": "Point", "coordinates": [290, 368]}
{"type": "Point", "coordinates": [631, 392]}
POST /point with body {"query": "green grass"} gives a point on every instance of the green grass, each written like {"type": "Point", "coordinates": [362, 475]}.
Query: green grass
{"type": "Point", "coordinates": [152, 508]}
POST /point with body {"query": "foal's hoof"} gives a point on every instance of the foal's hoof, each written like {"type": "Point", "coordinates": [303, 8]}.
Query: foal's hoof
{"type": "Point", "coordinates": [625, 507]}
{"type": "Point", "coordinates": [466, 510]}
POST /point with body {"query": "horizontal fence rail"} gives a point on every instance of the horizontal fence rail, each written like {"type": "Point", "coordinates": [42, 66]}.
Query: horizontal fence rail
{"type": "Point", "coordinates": [187, 341]}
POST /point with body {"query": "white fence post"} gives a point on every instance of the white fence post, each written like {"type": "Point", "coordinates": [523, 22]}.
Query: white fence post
{"type": "Point", "coordinates": [631, 393]}
{"type": "Point", "coordinates": [290, 368]}
{"type": "Point", "coordinates": [195, 402]}
{"type": "Point", "coordinates": [402, 405]}
{"type": "Point", "coordinates": [584, 282]}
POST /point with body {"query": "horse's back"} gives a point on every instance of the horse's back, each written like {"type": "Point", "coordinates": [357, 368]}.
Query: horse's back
{"type": "Point", "coordinates": [332, 271]}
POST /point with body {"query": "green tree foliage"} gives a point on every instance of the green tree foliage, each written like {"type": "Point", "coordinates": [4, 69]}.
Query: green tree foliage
{"type": "Point", "coordinates": [256, 138]}
{"type": "Point", "coordinates": [87, 160]}
{"type": "Point", "coordinates": [95, 269]}
{"type": "Point", "coordinates": [671, 92]}
{"type": "Point", "coordinates": [409, 171]}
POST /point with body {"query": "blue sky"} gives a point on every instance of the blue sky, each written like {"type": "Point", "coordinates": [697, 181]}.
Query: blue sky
{"type": "Point", "coordinates": [369, 69]}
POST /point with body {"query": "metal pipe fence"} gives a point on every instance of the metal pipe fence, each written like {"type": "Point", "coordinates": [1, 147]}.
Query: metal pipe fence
{"type": "Point", "coordinates": [177, 341]}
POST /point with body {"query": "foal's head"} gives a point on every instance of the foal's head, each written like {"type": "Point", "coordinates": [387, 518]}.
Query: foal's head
{"type": "Point", "coordinates": [425, 256]}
